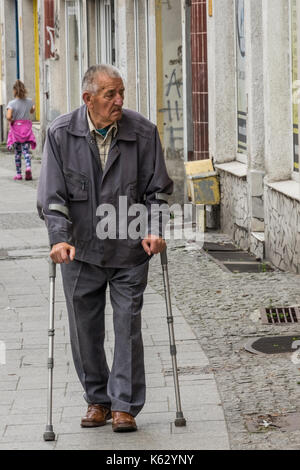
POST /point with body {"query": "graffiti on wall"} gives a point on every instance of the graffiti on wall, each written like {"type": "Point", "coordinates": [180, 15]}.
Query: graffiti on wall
{"type": "Point", "coordinates": [50, 30]}
{"type": "Point", "coordinates": [172, 109]}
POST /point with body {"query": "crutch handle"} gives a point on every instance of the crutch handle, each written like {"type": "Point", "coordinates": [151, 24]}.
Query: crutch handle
{"type": "Point", "coordinates": [163, 257]}
{"type": "Point", "coordinates": [52, 268]}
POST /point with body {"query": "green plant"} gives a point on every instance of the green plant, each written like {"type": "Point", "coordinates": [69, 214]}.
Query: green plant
{"type": "Point", "coordinates": [263, 267]}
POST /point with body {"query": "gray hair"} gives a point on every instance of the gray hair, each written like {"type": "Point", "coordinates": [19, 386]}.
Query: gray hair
{"type": "Point", "coordinates": [88, 82]}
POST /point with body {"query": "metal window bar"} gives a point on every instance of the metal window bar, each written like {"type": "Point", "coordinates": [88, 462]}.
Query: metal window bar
{"type": "Point", "coordinates": [80, 51]}
{"type": "Point", "coordinates": [67, 6]}
{"type": "Point", "coordinates": [17, 39]}
{"type": "Point", "coordinates": [137, 64]}
{"type": "Point", "coordinates": [113, 32]}
{"type": "Point", "coordinates": [107, 16]}
{"type": "Point", "coordinates": [98, 32]}
{"type": "Point", "coordinates": [147, 58]}
{"type": "Point", "coordinates": [104, 31]}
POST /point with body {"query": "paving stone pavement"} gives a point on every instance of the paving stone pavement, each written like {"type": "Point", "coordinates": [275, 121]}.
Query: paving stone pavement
{"type": "Point", "coordinates": [24, 301]}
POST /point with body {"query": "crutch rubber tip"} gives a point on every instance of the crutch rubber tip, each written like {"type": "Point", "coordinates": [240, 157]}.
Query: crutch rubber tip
{"type": "Point", "coordinates": [180, 422]}
{"type": "Point", "coordinates": [49, 435]}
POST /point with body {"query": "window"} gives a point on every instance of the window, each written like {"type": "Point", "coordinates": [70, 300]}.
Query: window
{"type": "Point", "coordinates": [295, 20]}
{"type": "Point", "coordinates": [74, 53]}
{"type": "Point", "coordinates": [105, 32]}
{"type": "Point", "coordinates": [241, 81]}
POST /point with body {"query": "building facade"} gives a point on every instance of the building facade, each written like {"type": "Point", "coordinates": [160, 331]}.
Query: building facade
{"type": "Point", "coordinates": [253, 90]}
{"type": "Point", "coordinates": [220, 78]}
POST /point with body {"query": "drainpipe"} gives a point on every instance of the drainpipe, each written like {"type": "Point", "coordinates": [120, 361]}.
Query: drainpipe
{"type": "Point", "coordinates": [17, 39]}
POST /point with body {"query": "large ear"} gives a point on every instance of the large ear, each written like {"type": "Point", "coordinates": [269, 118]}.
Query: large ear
{"type": "Point", "coordinates": [87, 98]}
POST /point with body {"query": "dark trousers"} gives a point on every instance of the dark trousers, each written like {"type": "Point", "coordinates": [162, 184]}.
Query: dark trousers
{"type": "Point", "coordinates": [122, 388]}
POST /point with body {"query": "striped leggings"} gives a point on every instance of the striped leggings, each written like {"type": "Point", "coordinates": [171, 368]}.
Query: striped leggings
{"type": "Point", "coordinates": [19, 149]}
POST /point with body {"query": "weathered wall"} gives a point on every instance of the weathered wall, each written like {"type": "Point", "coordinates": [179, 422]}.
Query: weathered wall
{"type": "Point", "coordinates": [57, 68]}
{"type": "Point", "coordinates": [53, 83]}
{"type": "Point", "coordinates": [221, 82]}
{"type": "Point", "coordinates": [170, 90]}
{"type": "Point", "coordinates": [27, 44]}
{"type": "Point", "coordinates": [125, 49]}
{"type": "Point", "coordinates": [282, 230]}
{"type": "Point", "coordinates": [277, 90]}
{"type": "Point", "coordinates": [235, 216]}
{"type": "Point", "coordinates": [10, 69]}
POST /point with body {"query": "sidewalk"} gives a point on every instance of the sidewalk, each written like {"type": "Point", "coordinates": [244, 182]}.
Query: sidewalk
{"type": "Point", "coordinates": [23, 379]}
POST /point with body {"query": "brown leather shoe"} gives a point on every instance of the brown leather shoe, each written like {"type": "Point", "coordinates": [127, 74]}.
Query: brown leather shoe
{"type": "Point", "coordinates": [123, 422]}
{"type": "Point", "coordinates": [96, 415]}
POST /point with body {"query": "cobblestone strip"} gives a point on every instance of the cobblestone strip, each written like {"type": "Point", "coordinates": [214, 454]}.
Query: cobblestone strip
{"type": "Point", "coordinates": [223, 310]}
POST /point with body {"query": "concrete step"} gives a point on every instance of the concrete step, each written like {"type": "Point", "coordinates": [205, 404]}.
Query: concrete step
{"type": "Point", "coordinates": [257, 244]}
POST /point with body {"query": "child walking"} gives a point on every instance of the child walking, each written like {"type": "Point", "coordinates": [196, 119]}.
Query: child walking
{"type": "Point", "coordinates": [20, 136]}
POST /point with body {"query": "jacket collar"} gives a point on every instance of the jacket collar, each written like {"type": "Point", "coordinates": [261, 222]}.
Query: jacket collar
{"type": "Point", "coordinates": [78, 125]}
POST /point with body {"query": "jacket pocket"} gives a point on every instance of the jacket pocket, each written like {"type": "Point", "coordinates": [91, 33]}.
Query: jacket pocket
{"type": "Point", "coordinates": [80, 204]}
{"type": "Point", "coordinates": [77, 185]}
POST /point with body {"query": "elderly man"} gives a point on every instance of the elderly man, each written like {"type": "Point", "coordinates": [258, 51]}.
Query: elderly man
{"type": "Point", "coordinates": [92, 156]}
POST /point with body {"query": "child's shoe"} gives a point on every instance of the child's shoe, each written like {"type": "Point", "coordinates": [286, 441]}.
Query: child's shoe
{"type": "Point", "coordinates": [28, 174]}
{"type": "Point", "coordinates": [18, 177]}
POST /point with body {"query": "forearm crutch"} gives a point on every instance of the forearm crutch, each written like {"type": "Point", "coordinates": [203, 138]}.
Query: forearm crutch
{"type": "Point", "coordinates": [49, 435]}
{"type": "Point", "coordinates": [180, 420]}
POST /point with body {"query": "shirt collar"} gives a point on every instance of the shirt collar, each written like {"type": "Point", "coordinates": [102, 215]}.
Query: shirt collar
{"type": "Point", "coordinates": [113, 128]}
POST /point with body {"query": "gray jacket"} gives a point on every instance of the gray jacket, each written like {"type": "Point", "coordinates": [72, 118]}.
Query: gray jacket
{"type": "Point", "coordinates": [72, 184]}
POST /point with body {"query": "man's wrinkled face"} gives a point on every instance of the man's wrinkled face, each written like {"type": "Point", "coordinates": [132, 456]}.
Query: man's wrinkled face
{"type": "Point", "coordinates": [106, 105]}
